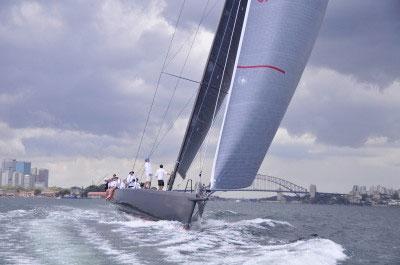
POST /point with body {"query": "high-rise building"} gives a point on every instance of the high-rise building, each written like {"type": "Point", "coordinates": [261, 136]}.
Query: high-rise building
{"type": "Point", "coordinates": [17, 179]}
{"type": "Point", "coordinates": [9, 164]}
{"type": "Point", "coordinates": [3, 178]}
{"type": "Point", "coordinates": [23, 167]}
{"type": "Point", "coordinates": [6, 178]}
{"type": "Point", "coordinates": [313, 191]}
{"type": "Point", "coordinates": [29, 181]}
{"type": "Point", "coordinates": [34, 171]}
{"type": "Point", "coordinates": [42, 178]}
{"type": "Point", "coordinates": [20, 174]}
{"type": "Point", "coordinates": [363, 190]}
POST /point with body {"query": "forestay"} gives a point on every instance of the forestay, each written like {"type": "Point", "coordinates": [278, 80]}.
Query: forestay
{"type": "Point", "coordinates": [276, 44]}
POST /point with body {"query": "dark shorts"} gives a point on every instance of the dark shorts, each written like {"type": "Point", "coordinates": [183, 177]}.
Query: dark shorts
{"type": "Point", "coordinates": [161, 183]}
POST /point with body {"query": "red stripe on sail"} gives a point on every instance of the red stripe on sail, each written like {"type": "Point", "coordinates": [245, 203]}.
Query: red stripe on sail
{"type": "Point", "coordinates": [262, 66]}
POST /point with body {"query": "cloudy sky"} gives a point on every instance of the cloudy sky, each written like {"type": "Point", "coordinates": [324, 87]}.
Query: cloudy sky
{"type": "Point", "coordinates": [77, 78]}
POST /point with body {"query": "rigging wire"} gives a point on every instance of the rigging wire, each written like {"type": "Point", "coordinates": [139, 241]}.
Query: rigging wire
{"type": "Point", "coordinates": [172, 125]}
{"type": "Point", "coordinates": [188, 38]}
{"type": "Point", "coordinates": [158, 82]}
{"type": "Point", "coordinates": [180, 74]}
{"type": "Point", "coordinates": [183, 78]}
{"type": "Point", "coordinates": [206, 142]}
{"type": "Point", "coordinates": [189, 100]}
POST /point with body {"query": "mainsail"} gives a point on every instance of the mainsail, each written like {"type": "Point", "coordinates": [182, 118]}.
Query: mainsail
{"type": "Point", "coordinates": [215, 83]}
{"type": "Point", "coordinates": [276, 44]}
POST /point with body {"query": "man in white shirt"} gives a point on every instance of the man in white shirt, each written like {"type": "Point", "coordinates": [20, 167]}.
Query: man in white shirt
{"type": "Point", "coordinates": [113, 182]}
{"type": "Point", "coordinates": [161, 173]}
{"type": "Point", "coordinates": [130, 179]}
{"type": "Point", "coordinates": [112, 185]}
{"type": "Point", "coordinates": [148, 172]}
{"type": "Point", "coordinates": [121, 184]}
{"type": "Point", "coordinates": [136, 184]}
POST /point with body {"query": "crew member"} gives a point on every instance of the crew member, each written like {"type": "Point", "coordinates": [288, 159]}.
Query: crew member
{"type": "Point", "coordinates": [161, 173]}
{"type": "Point", "coordinates": [112, 185]}
{"type": "Point", "coordinates": [136, 184]}
{"type": "Point", "coordinates": [148, 172]}
{"type": "Point", "coordinates": [106, 181]}
{"type": "Point", "coordinates": [130, 179]}
{"type": "Point", "coordinates": [121, 184]}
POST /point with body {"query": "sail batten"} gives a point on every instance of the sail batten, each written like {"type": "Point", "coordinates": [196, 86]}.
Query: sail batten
{"type": "Point", "coordinates": [277, 41]}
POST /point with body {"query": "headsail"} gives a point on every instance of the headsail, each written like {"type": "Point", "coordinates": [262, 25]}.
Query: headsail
{"type": "Point", "coordinates": [222, 57]}
{"type": "Point", "coordinates": [277, 42]}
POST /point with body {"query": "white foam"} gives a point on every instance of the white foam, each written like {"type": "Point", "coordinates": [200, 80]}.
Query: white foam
{"type": "Point", "coordinates": [224, 243]}
{"type": "Point", "coordinates": [268, 222]}
{"type": "Point", "coordinates": [211, 241]}
{"type": "Point", "coordinates": [106, 247]}
{"type": "Point", "coordinates": [15, 213]}
{"type": "Point", "coordinates": [12, 250]}
{"type": "Point", "coordinates": [142, 223]}
{"type": "Point", "coordinates": [251, 222]}
{"type": "Point", "coordinates": [173, 233]}
{"type": "Point", "coordinates": [313, 251]}
{"type": "Point", "coordinates": [20, 259]}
{"type": "Point", "coordinates": [218, 251]}
{"type": "Point", "coordinates": [228, 212]}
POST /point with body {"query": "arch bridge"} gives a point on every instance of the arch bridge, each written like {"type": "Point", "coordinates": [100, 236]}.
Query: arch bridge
{"type": "Point", "coordinates": [265, 183]}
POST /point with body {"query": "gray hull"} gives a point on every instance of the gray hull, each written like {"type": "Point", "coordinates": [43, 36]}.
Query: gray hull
{"type": "Point", "coordinates": [165, 205]}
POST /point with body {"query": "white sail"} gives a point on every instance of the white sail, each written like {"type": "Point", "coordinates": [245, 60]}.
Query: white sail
{"type": "Point", "coordinates": [276, 43]}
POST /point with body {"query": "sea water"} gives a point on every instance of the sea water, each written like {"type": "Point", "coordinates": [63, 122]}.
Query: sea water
{"type": "Point", "coordinates": [51, 231]}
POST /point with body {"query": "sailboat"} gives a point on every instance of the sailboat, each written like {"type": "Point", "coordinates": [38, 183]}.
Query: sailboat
{"type": "Point", "coordinates": [258, 55]}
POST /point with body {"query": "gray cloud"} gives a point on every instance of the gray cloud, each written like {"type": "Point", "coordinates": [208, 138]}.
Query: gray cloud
{"type": "Point", "coordinates": [341, 111]}
{"type": "Point", "coordinates": [361, 38]}
{"type": "Point", "coordinates": [87, 70]}
{"type": "Point", "coordinates": [192, 12]}
{"type": "Point", "coordinates": [67, 73]}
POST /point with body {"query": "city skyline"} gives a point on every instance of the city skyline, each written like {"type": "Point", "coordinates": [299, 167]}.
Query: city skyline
{"type": "Point", "coordinates": [20, 174]}
{"type": "Point", "coordinates": [75, 88]}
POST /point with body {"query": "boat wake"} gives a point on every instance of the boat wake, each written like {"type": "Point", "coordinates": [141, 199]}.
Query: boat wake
{"type": "Point", "coordinates": [68, 235]}
{"type": "Point", "coordinates": [226, 213]}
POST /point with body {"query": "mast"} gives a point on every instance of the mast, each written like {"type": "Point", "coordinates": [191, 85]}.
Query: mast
{"type": "Point", "coordinates": [221, 57]}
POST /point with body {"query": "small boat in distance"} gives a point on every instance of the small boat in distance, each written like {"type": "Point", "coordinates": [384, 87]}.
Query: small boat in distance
{"type": "Point", "coordinates": [258, 55]}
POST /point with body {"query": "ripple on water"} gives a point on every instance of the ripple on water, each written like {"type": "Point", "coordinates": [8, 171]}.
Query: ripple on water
{"type": "Point", "coordinates": [212, 240]}
{"type": "Point", "coordinates": [69, 235]}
